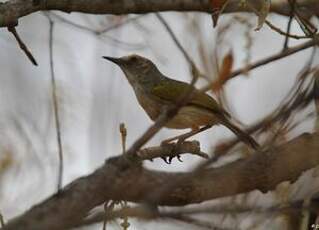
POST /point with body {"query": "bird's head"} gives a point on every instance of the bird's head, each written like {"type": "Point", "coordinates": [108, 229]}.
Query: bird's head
{"type": "Point", "coordinates": [136, 68]}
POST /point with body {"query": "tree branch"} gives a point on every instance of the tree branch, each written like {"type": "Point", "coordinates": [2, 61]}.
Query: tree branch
{"type": "Point", "coordinates": [117, 179]}
{"type": "Point", "coordinates": [22, 45]}
{"type": "Point", "coordinates": [12, 10]}
{"type": "Point", "coordinates": [169, 150]}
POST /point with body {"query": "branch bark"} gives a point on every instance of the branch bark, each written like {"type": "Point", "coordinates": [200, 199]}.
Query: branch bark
{"type": "Point", "coordinates": [118, 179]}
{"type": "Point", "coordinates": [12, 10]}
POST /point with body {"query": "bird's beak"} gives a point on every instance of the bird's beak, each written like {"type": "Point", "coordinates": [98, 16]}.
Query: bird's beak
{"type": "Point", "coordinates": [117, 61]}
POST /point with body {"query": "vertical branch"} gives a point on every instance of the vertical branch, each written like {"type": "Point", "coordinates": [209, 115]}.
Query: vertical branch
{"type": "Point", "coordinates": [292, 4]}
{"type": "Point", "coordinates": [123, 132]}
{"type": "Point", "coordinates": [55, 106]}
{"type": "Point", "coordinates": [125, 224]}
{"type": "Point", "coordinates": [108, 207]}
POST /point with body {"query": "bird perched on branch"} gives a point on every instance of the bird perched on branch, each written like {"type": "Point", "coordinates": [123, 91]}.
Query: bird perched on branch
{"type": "Point", "coordinates": [154, 91]}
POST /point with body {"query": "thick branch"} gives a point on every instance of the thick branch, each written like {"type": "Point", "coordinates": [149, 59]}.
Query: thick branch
{"type": "Point", "coordinates": [12, 10]}
{"type": "Point", "coordinates": [118, 180]}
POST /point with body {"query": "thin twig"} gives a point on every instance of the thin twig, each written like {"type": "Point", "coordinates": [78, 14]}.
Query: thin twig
{"type": "Point", "coordinates": [22, 46]}
{"type": "Point", "coordinates": [269, 59]}
{"type": "Point", "coordinates": [123, 132]}
{"type": "Point", "coordinates": [122, 23]}
{"type": "Point", "coordinates": [292, 11]}
{"type": "Point", "coordinates": [276, 57]}
{"type": "Point", "coordinates": [105, 215]}
{"type": "Point", "coordinates": [272, 58]}
{"type": "Point", "coordinates": [293, 101]}
{"type": "Point", "coordinates": [276, 29]}
{"type": "Point", "coordinates": [56, 107]}
{"type": "Point", "coordinates": [108, 208]}
{"type": "Point", "coordinates": [125, 224]}
{"type": "Point", "coordinates": [306, 26]}
{"type": "Point", "coordinates": [178, 44]}
{"type": "Point", "coordinates": [279, 31]}
{"type": "Point", "coordinates": [97, 31]}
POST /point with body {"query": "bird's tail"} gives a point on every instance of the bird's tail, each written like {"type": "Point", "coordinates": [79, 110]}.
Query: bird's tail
{"type": "Point", "coordinates": [243, 136]}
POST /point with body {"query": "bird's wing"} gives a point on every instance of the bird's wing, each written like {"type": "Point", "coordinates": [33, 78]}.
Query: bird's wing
{"type": "Point", "coordinates": [173, 90]}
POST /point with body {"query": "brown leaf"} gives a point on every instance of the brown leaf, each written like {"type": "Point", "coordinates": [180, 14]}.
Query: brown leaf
{"type": "Point", "coordinates": [217, 8]}
{"type": "Point", "coordinates": [224, 73]}
{"type": "Point", "coordinates": [263, 13]}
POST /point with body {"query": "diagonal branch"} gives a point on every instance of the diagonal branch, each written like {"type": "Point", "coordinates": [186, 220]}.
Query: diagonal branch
{"type": "Point", "coordinates": [262, 171]}
{"type": "Point", "coordinates": [22, 45]}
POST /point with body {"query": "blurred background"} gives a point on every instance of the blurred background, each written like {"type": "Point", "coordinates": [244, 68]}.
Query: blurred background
{"type": "Point", "coordinates": [94, 97]}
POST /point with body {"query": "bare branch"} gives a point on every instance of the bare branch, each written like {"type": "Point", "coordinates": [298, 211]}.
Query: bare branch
{"type": "Point", "coordinates": [261, 171]}
{"type": "Point", "coordinates": [21, 44]}
{"type": "Point", "coordinates": [11, 11]}
{"type": "Point", "coordinates": [277, 56]}
{"type": "Point", "coordinates": [291, 17]}
{"type": "Point", "coordinates": [169, 150]}
{"type": "Point", "coordinates": [55, 107]}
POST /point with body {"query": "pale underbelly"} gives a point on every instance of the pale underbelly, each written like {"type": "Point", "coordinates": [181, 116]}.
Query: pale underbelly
{"type": "Point", "coordinates": [191, 117]}
{"type": "Point", "coordinates": [187, 116]}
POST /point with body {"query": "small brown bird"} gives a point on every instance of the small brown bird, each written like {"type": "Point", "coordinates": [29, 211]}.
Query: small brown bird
{"type": "Point", "coordinates": [154, 91]}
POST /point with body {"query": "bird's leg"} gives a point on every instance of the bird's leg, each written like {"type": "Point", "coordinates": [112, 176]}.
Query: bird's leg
{"type": "Point", "coordinates": [181, 138]}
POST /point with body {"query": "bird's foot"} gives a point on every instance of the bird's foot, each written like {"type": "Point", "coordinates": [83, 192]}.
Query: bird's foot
{"type": "Point", "coordinates": [174, 150]}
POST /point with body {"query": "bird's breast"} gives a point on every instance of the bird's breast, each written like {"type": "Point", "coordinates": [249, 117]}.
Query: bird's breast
{"type": "Point", "coordinates": [192, 117]}
{"type": "Point", "coordinates": [151, 105]}
{"type": "Point", "coordinates": [187, 117]}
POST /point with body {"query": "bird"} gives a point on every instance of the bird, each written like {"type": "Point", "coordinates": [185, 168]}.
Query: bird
{"type": "Point", "coordinates": [155, 91]}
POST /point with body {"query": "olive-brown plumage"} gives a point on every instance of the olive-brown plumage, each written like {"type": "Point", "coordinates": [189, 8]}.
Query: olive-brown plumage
{"type": "Point", "coordinates": [154, 91]}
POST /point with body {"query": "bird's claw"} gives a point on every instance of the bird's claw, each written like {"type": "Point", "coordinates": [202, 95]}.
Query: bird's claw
{"type": "Point", "coordinates": [173, 153]}
{"type": "Point", "coordinates": [167, 160]}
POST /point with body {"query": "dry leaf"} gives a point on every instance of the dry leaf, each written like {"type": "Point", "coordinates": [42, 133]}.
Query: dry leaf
{"type": "Point", "coordinates": [217, 8]}
{"type": "Point", "coordinates": [224, 73]}
{"type": "Point", "coordinates": [263, 13]}
{"type": "Point", "coordinates": [6, 161]}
